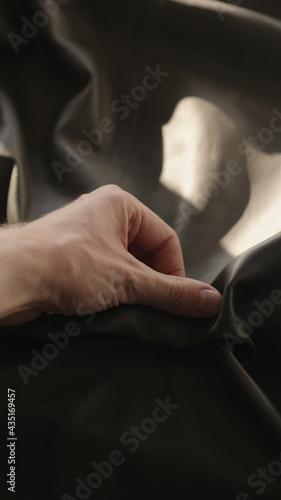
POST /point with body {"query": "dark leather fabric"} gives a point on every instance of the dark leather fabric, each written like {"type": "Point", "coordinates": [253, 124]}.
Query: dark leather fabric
{"type": "Point", "coordinates": [181, 150]}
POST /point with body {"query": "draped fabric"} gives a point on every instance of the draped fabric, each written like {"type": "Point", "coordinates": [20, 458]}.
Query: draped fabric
{"type": "Point", "coordinates": [178, 103]}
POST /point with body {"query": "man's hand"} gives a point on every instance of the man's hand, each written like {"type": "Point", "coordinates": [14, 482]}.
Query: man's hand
{"type": "Point", "coordinates": [104, 249]}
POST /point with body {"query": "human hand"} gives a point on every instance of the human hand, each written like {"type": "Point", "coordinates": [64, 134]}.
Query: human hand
{"type": "Point", "coordinates": [104, 249]}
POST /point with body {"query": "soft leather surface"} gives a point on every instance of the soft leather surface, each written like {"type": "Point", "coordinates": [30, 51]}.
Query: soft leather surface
{"type": "Point", "coordinates": [188, 151]}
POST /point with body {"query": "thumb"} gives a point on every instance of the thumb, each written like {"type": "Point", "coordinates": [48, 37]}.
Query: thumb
{"type": "Point", "coordinates": [177, 295]}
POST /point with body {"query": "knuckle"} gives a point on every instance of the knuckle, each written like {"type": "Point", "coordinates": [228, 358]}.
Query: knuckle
{"type": "Point", "coordinates": [175, 236]}
{"type": "Point", "coordinates": [174, 233]}
{"type": "Point", "coordinates": [112, 189]}
{"type": "Point", "coordinates": [113, 186]}
{"type": "Point", "coordinates": [114, 194]}
{"type": "Point", "coordinates": [177, 291]}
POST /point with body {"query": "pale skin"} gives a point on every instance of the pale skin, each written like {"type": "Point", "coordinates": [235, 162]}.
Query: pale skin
{"type": "Point", "coordinates": [104, 249]}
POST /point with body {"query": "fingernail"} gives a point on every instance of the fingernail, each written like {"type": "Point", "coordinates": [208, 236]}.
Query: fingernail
{"type": "Point", "coordinates": [209, 302]}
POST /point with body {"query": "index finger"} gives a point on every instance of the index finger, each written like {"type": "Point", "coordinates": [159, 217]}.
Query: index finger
{"type": "Point", "coordinates": [153, 241]}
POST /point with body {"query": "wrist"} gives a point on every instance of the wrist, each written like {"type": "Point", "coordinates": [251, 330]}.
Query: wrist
{"type": "Point", "coordinates": [24, 285]}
